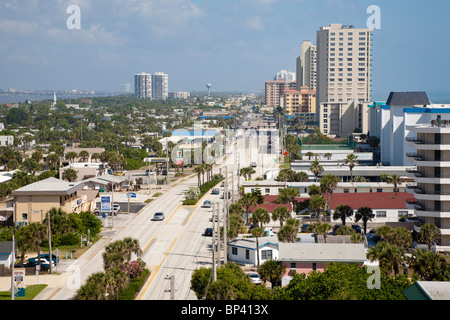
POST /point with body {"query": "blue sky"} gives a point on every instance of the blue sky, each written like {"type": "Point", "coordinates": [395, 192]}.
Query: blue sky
{"type": "Point", "coordinates": [233, 44]}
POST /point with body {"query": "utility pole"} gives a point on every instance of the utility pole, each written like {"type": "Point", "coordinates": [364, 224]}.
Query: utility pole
{"type": "Point", "coordinates": [13, 287]}
{"type": "Point", "coordinates": [167, 163]}
{"type": "Point", "coordinates": [214, 271]}
{"type": "Point", "coordinates": [50, 242]}
{"type": "Point", "coordinates": [172, 288]}
{"type": "Point", "coordinates": [218, 236]}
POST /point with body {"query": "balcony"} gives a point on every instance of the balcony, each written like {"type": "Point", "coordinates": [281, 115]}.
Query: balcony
{"type": "Point", "coordinates": [411, 170]}
{"type": "Point", "coordinates": [412, 154]}
{"type": "Point", "coordinates": [414, 140]}
{"type": "Point", "coordinates": [419, 190]}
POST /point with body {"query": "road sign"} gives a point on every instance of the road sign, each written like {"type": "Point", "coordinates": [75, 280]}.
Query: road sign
{"type": "Point", "coordinates": [106, 204]}
{"type": "Point", "coordinates": [19, 277]}
{"type": "Point", "coordinates": [131, 195]}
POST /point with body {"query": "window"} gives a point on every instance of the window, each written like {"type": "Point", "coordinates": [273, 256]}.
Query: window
{"type": "Point", "coordinates": [247, 254]}
{"type": "Point", "coordinates": [314, 266]}
{"type": "Point", "coordinates": [402, 213]}
{"type": "Point", "coordinates": [380, 214]}
{"type": "Point", "coordinates": [379, 190]}
{"type": "Point", "coordinates": [266, 254]}
{"type": "Point", "coordinates": [293, 265]}
{"type": "Point", "coordinates": [267, 190]}
{"type": "Point", "coordinates": [24, 216]}
{"type": "Point", "coordinates": [346, 190]}
{"type": "Point", "coordinates": [234, 251]}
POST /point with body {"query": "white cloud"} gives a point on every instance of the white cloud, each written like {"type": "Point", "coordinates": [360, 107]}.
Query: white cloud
{"type": "Point", "coordinates": [254, 23]}
{"type": "Point", "coordinates": [94, 35]}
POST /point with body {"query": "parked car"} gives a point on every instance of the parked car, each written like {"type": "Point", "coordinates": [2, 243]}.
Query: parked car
{"type": "Point", "coordinates": [206, 204]}
{"type": "Point", "coordinates": [45, 256]}
{"type": "Point", "coordinates": [254, 278]}
{"type": "Point", "coordinates": [158, 216]}
{"type": "Point", "coordinates": [215, 191]}
{"type": "Point", "coordinates": [357, 228]}
{"type": "Point", "coordinates": [208, 232]}
{"type": "Point", "coordinates": [305, 228]}
{"type": "Point", "coordinates": [45, 264]}
{"type": "Point", "coordinates": [253, 164]}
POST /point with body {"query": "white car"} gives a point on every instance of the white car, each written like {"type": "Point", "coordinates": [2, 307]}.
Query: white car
{"type": "Point", "coordinates": [254, 278]}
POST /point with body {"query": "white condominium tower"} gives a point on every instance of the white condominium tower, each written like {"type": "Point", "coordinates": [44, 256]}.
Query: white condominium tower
{"type": "Point", "coordinates": [160, 86]}
{"type": "Point", "coordinates": [344, 65]}
{"type": "Point", "coordinates": [151, 86]}
{"type": "Point", "coordinates": [143, 85]}
{"type": "Point", "coordinates": [307, 66]}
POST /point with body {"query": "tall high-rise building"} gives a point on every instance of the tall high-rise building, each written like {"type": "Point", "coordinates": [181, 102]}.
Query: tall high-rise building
{"type": "Point", "coordinates": [143, 85]}
{"type": "Point", "coordinates": [344, 67]}
{"type": "Point", "coordinates": [160, 86]}
{"type": "Point", "coordinates": [307, 66]}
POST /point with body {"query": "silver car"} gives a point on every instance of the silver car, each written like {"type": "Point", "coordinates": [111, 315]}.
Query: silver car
{"type": "Point", "coordinates": [158, 216]}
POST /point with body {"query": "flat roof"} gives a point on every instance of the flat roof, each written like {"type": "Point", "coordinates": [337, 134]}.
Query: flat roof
{"type": "Point", "coordinates": [322, 252]}
{"type": "Point", "coordinates": [50, 186]}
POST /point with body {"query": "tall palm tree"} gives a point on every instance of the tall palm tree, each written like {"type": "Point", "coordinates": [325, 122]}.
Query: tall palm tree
{"type": "Point", "coordinates": [261, 216]}
{"type": "Point", "coordinates": [317, 203]}
{"type": "Point", "coordinates": [342, 212]}
{"type": "Point", "coordinates": [281, 214]}
{"type": "Point", "coordinates": [316, 168]}
{"type": "Point", "coordinates": [257, 232]}
{"type": "Point", "coordinates": [396, 181]}
{"type": "Point", "coordinates": [324, 228]}
{"type": "Point", "coordinates": [93, 289]}
{"type": "Point", "coordinates": [328, 184]}
{"type": "Point", "coordinates": [36, 232]}
{"type": "Point", "coordinates": [365, 214]}
{"type": "Point", "coordinates": [288, 233]}
{"type": "Point", "coordinates": [131, 246]}
{"type": "Point", "coordinates": [199, 170]}
{"type": "Point", "coordinates": [352, 162]}
{"type": "Point", "coordinates": [248, 200]}
{"type": "Point", "coordinates": [430, 266]}
{"type": "Point", "coordinates": [288, 195]}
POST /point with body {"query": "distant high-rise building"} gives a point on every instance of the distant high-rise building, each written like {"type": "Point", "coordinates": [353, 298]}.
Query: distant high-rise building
{"type": "Point", "coordinates": [275, 89]}
{"type": "Point", "coordinates": [125, 88]}
{"type": "Point", "coordinates": [160, 86]}
{"type": "Point", "coordinates": [307, 66]}
{"type": "Point", "coordinates": [344, 69]}
{"type": "Point", "coordinates": [143, 85]}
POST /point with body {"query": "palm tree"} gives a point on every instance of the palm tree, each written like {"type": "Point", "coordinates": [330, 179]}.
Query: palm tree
{"type": "Point", "coordinates": [70, 175]}
{"type": "Point", "coordinates": [401, 238]}
{"type": "Point", "coordinates": [429, 234]}
{"type": "Point", "coordinates": [430, 266]}
{"type": "Point", "coordinates": [93, 289]}
{"type": "Point", "coordinates": [288, 195]}
{"type": "Point", "coordinates": [324, 228]}
{"type": "Point", "coordinates": [35, 233]}
{"type": "Point", "coordinates": [309, 154]}
{"type": "Point", "coordinates": [261, 216]}
{"type": "Point", "coordinates": [316, 168]}
{"type": "Point", "coordinates": [281, 213]}
{"type": "Point", "coordinates": [199, 170]}
{"type": "Point", "coordinates": [351, 161]}
{"type": "Point", "coordinates": [131, 246]}
{"type": "Point", "coordinates": [71, 155]}
{"type": "Point", "coordinates": [395, 180]}
{"type": "Point", "coordinates": [365, 214]}
{"type": "Point", "coordinates": [288, 233]}
{"type": "Point", "coordinates": [328, 184]}
{"type": "Point", "coordinates": [314, 189]}
{"type": "Point", "coordinates": [317, 203]}
{"type": "Point", "coordinates": [342, 212]}
{"type": "Point", "coordinates": [328, 155]}
{"type": "Point", "coordinates": [257, 232]}
{"type": "Point", "coordinates": [314, 229]}
{"type": "Point", "coordinates": [248, 200]}
{"type": "Point", "coordinates": [83, 155]}
{"type": "Point", "coordinates": [271, 270]}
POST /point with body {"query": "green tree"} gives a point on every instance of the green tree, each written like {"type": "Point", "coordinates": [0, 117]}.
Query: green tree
{"type": "Point", "coordinates": [365, 214]}
{"type": "Point", "coordinates": [288, 195]}
{"type": "Point", "coordinates": [352, 162]}
{"type": "Point", "coordinates": [328, 184]}
{"type": "Point", "coordinates": [317, 203]}
{"type": "Point", "coordinates": [288, 233]}
{"type": "Point", "coordinates": [430, 266]}
{"type": "Point", "coordinates": [248, 200]}
{"type": "Point", "coordinates": [316, 168]}
{"type": "Point", "coordinates": [257, 233]}
{"type": "Point", "coordinates": [69, 175]}
{"type": "Point", "coordinates": [261, 216]}
{"type": "Point", "coordinates": [342, 212]}
{"type": "Point", "coordinates": [429, 234]}
{"type": "Point", "coordinates": [281, 214]}
{"type": "Point", "coordinates": [271, 270]}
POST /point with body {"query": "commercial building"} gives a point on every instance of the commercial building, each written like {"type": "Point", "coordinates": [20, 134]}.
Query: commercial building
{"type": "Point", "coordinates": [33, 201]}
{"type": "Point", "coordinates": [344, 75]}
{"type": "Point", "coordinates": [295, 102]}
{"type": "Point", "coordinates": [307, 66]}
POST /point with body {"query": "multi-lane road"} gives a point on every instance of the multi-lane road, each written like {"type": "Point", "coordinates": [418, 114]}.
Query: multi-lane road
{"type": "Point", "coordinates": [175, 247]}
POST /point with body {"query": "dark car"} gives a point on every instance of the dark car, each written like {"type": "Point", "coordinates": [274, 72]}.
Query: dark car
{"type": "Point", "coordinates": [357, 228]}
{"type": "Point", "coordinates": [208, 232]}
{"type": "Point", "coordinates": [305, 228]}
{"type": "Point", "coordinates": [215, 191]}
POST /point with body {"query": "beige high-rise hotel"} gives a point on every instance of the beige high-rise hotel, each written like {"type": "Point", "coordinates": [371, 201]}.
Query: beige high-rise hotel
{"type": "Point", "coordinates": [344, 74]}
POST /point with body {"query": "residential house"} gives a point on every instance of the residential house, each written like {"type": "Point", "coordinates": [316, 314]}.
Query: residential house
{"type": "Point", "coordinates": [243, 250]}
{"type": "Point", "coordinates": [428, 290]}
